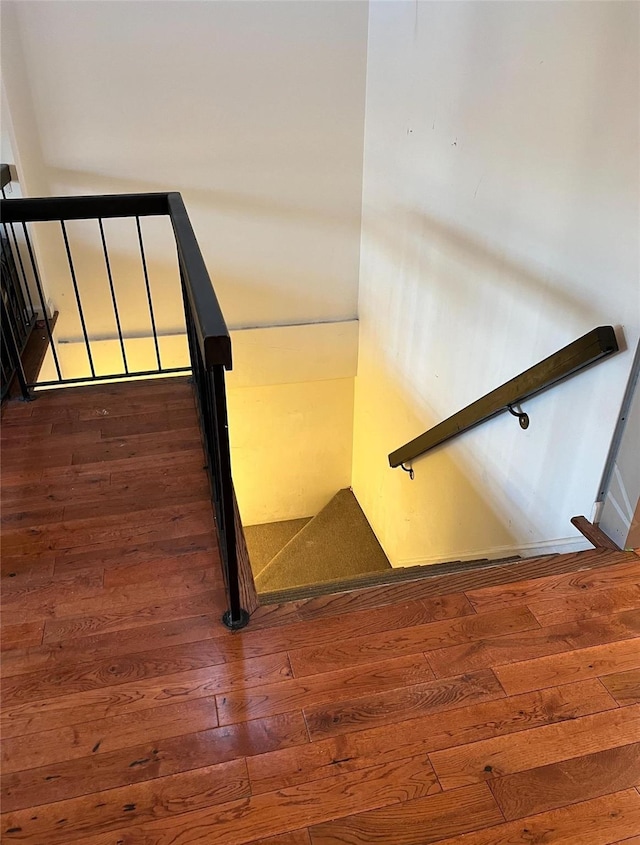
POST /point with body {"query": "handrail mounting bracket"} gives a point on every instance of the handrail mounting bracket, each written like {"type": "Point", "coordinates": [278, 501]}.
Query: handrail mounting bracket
{"type": "Point", "coordinates": [521, 415]}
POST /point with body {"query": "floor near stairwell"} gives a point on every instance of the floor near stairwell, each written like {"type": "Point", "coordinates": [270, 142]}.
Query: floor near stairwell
{"type": "Point", "coordinates": [499, 706]}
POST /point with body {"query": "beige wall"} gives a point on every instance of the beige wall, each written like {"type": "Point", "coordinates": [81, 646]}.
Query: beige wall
{"type": "Point", "coordinates": [290, 399]}
{"type": "Point", "coordinates": [500, 222]}
{"type": "Point", "coordinates": [253, 110]}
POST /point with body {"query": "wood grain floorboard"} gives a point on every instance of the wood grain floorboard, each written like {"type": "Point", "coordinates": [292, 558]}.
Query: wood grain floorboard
{"type": "Point", "coordinates": [156, 692]}
{"type": "Point", "coordinates": [384, 708]}
{"type": "Point", "coordinates": [569, 781]}
{"type": "Point", "coordinates": [598, 822]}
{"type": "Point", "coordinates": [136, 446]}
{"type": "Point", "coordinates": [9, 432]}
{"type": "Point", "coordinates": [25, 569]}
{"type": "Point", "coordinates": [155, 523]}
{"type": "Point", "coordinates": [21, 635]}
{"type": "Point", "coordinates": [138, 573]}
{"type": "Point", "coordinates": [135, 616]}
{"type": "Point", "coordinates": [31, 514]}
{"type": "Point", "coordinates": [126, 501]}
{"type": "Point", "coordinates": [38, 591]}
{"type": "Point", "coordinates": [569, 666]}
{"type": "Point", "coordinates": [163, 755]}
{"type": "Point", "coordinates": [184, 462]}
{"type": "Point", "coordinates": [294, 837]}
{"type": "Point", "coordinates": [60, 494]}
{"type": "Point", "coordinates": [492, 758]}
{"type": "Point", "coordinates": [464, 581]}
{"type": "Point", "coordinates": [624, 686]}
{"type": "Point", "coordinates": [146, 422]}
{"type": "Point", "coordinates": [107, 672]}
{"type": "Point", "coordinates": [362, 748]}
{"type": "Point", "coordinates": [109, 733]}
{"type": "Point", "coordinates": [415, 823]}
{"type": "Point", "coordinates": [267, 700]}
{"type": "Point", "coordinates": [112, 556]}
{"type": "Point", "coordinates": [563, 585]}
{"type": "Point", "coordinates": [266, 815]}
{"type": "Point", "coordinates": [365, 649]}
{"type": "Point", "coordinates": [131, 716]}
{"type": "Point", "coordinates": [133, 597]}
{"type": "Point", "coordinates": [152, 800]}
{"type": "Point", "coordinates": [67, 654]}
{"type": "Point", "coordinates": [586, 605]}
{"type": "Point", "coordinates": [46, 601]}
{"type": "Point", "coordinates": [540, 642]}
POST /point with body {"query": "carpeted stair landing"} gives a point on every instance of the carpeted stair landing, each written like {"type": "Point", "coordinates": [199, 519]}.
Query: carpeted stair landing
{"type": "Point", "coordinates": [338, 543]}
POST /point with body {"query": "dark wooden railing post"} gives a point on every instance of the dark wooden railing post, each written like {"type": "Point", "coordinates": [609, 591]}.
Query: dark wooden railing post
{"type": "Point", "coordinates": [236, 617]}
{"type": "Point", "coordinates": [210, 351]}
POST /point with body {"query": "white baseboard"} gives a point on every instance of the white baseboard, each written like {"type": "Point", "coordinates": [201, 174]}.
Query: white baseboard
{"type": "Point", "coordinates": [563, 545]}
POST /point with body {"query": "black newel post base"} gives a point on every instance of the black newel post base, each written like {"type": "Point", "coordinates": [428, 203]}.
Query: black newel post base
{"type": "Point", "coordinates": [235, 624]}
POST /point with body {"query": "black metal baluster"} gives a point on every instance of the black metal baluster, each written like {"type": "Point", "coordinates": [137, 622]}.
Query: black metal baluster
{"type": "Point", "coordinates": [113, 295]}
{"type": "Point", "coordinates": [188, 322]}
{"type": "Point", "coordinates": [45, 316]}
{"type": "Point", "coordinates": [9, 340]}
{"type": "Point", "coordinates": [77, 293]}
{"type": "Point", "coordinates": [146, 281]}
{"type": "Point", "coordinates": [14, 299]}
{"type": "Point", "coordinates": [25, 281]}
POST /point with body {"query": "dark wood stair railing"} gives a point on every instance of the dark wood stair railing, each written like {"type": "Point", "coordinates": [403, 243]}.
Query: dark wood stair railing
{"type": "Point", "coordinates": [587, 350]}
{"type": "Point", "coordinates": [208, 340]}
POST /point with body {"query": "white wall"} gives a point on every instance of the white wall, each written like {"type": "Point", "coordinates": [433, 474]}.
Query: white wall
{"type": "Point", "coordinates": [253, 110]}
{"type": "Point", "coordinates": [500, 222]}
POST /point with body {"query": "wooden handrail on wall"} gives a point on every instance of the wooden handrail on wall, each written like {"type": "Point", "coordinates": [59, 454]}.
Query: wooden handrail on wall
{"type": "Point", "coordinates": [587, 350]}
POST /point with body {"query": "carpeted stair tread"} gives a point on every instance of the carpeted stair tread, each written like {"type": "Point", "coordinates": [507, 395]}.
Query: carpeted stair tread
{"type": "Point", "coordinates": [395, 575]}
{"type": "Point", "coordinates": [265, 541]}
{"type": "Point", "coordinates": [337, 543]}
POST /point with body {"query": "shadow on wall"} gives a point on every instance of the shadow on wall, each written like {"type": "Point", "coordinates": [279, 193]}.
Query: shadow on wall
{"type": "Point", "coordinates": [438, 320]}
{"type": "Point", "coordinates": [127, 277]}
{"type": "Point", "coordinates": [442, 274]}
{"type": "Point", "coordinates": [288, 282]}
{"type": "Point", "coordinates": [431, 281]}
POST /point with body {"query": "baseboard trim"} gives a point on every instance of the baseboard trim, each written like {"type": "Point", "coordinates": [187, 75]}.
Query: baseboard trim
{"type": "Point", "coordinates": [562, 545]}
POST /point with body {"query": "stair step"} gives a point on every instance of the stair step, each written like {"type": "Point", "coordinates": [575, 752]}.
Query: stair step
{"type": "Point", "coordinates": [393, 576]}
{"type": "Point", "coordinates": [338, 543]}
{"type": "Point", "coordinates": [266, 540]}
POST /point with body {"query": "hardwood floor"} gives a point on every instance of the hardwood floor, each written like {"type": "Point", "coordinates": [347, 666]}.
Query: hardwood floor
{"type": "Point", "coordinates": [440, 711]}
